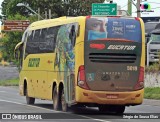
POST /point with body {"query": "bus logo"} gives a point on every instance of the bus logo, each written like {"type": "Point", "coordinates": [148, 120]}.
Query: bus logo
{"type": "Point", "coordinates": [6, 116]}
{"type": "Point", "coordinates": [145, 7]}
{"type": "Point", "coordinates": [121, 47]}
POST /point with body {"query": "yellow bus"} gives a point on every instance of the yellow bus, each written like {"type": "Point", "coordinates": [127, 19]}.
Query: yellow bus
{"type": "Point", "coordinates": [84, 61]}
{"type": "Point", "coordinates": [1, 51]}
{"type": "Point", "coordinates": [0, 55]}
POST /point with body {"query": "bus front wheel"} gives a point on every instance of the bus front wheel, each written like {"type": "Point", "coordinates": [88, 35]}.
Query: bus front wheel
{"type": "Point", "coordinates": [29, 100]}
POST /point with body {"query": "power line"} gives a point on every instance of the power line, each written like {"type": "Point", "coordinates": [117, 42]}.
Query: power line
{"type": "Point", "coordinates": [155, 8]}
{"type": "Point", "coordinates": [124, 5]}
{"type": "Point", "coordinates": [153, 2]}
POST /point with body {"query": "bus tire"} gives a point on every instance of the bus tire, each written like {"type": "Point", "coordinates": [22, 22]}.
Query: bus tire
{"type": "Point", "coordinates": [29, 100]}
{"type": "Point", "coordinates": [63, 102]}
{"type": "Point", "coordinates": [55, 99]}
{"type": "Point", "coordinates": [117, 109]}
{"type": "Point", "coordinates": [103, 108]}
{"type": "Point", "coordinates": [120, 109]}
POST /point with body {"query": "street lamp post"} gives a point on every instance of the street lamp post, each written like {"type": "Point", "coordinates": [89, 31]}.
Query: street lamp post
{"type": "Point", "coordinates": [27, 6]}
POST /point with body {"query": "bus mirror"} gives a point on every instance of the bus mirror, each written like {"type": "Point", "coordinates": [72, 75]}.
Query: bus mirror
{"type": "Point", "coordinates": [147, 35]}
{"type": "Point", "coordinates": [16, 54]}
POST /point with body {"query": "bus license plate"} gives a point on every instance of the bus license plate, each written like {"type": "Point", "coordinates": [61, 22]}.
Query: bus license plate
{"type": "Point", "coordinates": [112, 96]}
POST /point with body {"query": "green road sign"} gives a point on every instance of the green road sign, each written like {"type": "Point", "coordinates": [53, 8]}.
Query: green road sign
{"type": "Point", "coordinates": [104, 9]}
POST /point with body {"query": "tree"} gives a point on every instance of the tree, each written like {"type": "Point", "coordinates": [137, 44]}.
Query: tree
{"type": "Point", "coordinates": [10, 39]}
{"type": "Point", "coordinates": [58, 7]}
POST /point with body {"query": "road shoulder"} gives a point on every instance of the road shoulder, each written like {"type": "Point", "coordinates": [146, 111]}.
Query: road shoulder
{"type": "Point", "coordinates": [151, 102]}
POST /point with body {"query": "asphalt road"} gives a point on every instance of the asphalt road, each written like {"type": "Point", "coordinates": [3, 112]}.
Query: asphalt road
{"type": "Point", "coordinates": [12, 102]}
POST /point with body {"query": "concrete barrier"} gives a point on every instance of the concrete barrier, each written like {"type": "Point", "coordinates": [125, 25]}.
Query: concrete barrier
{"type": "Point", "coordinates": [152, 79]}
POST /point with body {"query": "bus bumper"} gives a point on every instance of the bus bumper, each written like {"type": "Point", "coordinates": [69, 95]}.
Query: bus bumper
{"type": "Point", "coordinates": [114, 98]}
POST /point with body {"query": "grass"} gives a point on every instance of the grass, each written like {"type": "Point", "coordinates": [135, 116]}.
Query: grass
{"type": "Point", "coordinates": [152, 93]}
{"type": "Point", "coordinates": [12, 82]}
{"type": "Point", "coordinates": [153, 68]}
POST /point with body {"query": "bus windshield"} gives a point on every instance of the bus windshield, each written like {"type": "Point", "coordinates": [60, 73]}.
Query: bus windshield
{"type": "Point", "coordinates": [101, 28]}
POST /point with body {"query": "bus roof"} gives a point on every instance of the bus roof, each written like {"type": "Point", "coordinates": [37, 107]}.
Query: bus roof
{"type": "Point", "coordinates": [56, 21]}
{"type": "Point", "coordinates": [48, 21]}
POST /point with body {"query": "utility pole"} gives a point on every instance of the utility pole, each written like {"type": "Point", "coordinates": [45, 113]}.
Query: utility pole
{"type": "Point", "coordinates": [129, 7]}
{"type": "Point", "coordinates": [50, 15]}
{"type": "Point", "coordinates": [45, 13]}
{"type": "Point", "coordinates": [138, 8]}
{"type": "Point", "coordinates": [38, 13]}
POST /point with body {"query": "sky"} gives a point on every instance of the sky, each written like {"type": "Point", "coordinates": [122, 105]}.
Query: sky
{"type": "Point", "coordinates": [0, 5]}
{"type": "Point", "coordinates": [155, 6]}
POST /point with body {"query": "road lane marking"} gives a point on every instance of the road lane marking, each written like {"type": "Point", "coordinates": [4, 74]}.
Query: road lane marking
{"type": "Point", "coordinates": [100, 120]}
{"type": "Point", "coordinates": [28, 105]}
{"type": "Point", "coordinates": [87, 118]}
{"type": "Point", "coordinates": [90, 118]}
{"type": "Point", "coordinates": [2, 91]}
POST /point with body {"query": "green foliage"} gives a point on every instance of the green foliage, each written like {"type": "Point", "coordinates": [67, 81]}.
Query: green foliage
{"type": "Point", "coordinates": [58, 7]}
{"type": "Point", "coordinates": [152, 93]}
{"type": "Point", "coordinates": [153, 68]}
{"type": "Point", "coordinates": [11, 11]}
{"type": "Point", "coordinates": [10, 39]}
{"type": "Point", "coordinates": [12, 82]}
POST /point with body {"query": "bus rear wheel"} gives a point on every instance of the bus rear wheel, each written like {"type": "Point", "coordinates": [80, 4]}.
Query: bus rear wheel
{"type": "Point", "coordinates": [63, 102]}
{"type": "Point", "coordinates": [112, 109]}
{"type": "Point", "coordinates": [29, 100]}
{"type": "Point", "coordinates": [55, 99]}
{"type": "Point", "coordinates": [103, 108]}
{"type": "Point", "coordinates": [120, 109]}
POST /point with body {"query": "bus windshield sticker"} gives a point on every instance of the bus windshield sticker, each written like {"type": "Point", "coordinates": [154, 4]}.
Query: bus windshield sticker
{"type": "Point", "coordinates": [90, 76]}
{"type": "Point", "coordinates": [101, 28]}
{"type": "Point", "coordinates": [129, 29]}
{"type": "Point", "coordinates": [64, 48]}
{"type": "Point", "coordinates": [96, 28]}
{"type": "Point", "coordinates": [118, 28]}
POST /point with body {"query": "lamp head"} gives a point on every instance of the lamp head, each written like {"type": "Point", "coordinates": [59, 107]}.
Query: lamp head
{"type": "Point", "coordinates": [20, 4]}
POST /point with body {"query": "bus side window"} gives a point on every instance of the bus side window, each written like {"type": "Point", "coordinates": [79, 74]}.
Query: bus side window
{"type": "Point", "coordinates": [42, 38]}
{"type": "Point", "coordinates": [51, 37]}
{"type": "Point", "coordinates": [29, 43]}
{"type": "Point", "coordinates": [35, 42]}
{"type": "Point", "coordinates": [48, 39]}
{"type": "Point", "coordinates": [32, 45]}
{"type": "Point", "coordinates": [43, 35]}
{"type": "Point", "coordinates": [36, 36]}
{"type": "Point", "coordinates": [72, 35]}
